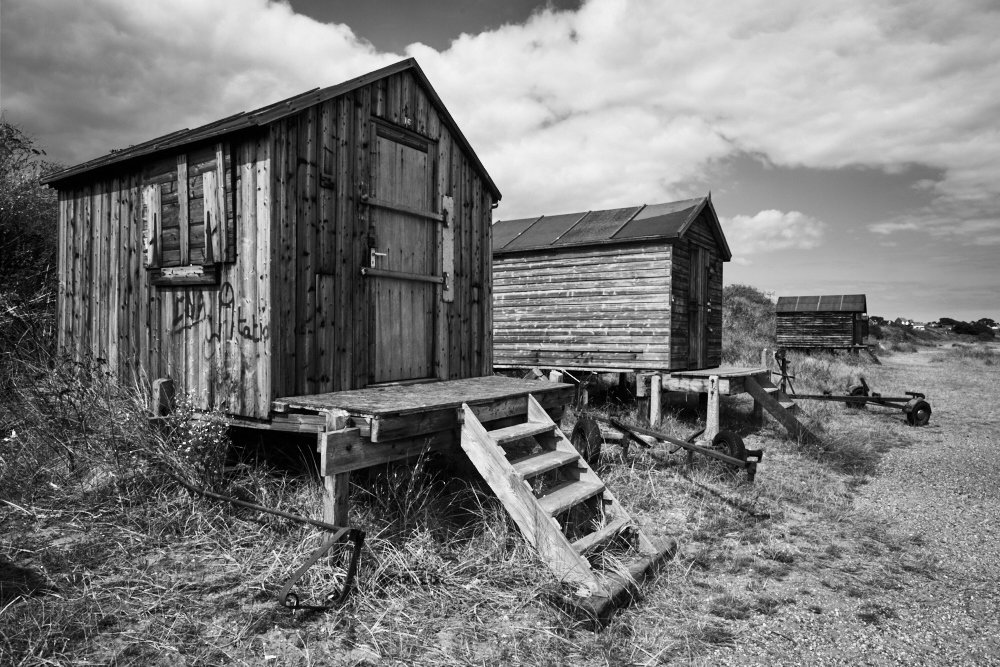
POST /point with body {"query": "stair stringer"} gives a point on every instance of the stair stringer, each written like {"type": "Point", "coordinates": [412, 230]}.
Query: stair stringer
{"type": "Point", "coordinates": [541, 530]}
{"type": "Point", "coordinates": [536, 413]}
{"type": "Point", "coordinates": [794, 427]}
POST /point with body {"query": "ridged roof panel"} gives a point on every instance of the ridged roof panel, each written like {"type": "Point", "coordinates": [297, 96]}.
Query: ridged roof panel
{"type": "Point", "coordinates": [829, 303]}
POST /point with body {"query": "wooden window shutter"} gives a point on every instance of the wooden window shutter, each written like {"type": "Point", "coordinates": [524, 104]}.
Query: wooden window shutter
{"type": "Point", "coordinates": [214, 187]}
{"type": "Point", "coordinates": [151, 225]}
{"type": "Point", "coordinates": [183, 220]}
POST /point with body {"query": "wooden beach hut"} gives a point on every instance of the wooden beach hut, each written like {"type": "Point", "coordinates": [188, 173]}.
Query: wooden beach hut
{"type": "Point", "coordinates": [322, 265]}
{"type": "Point", "coordinates": [331, 241]}
{"type": "Point", "coordinates": [829, 322]}
{"type": "Point", "coordinates": [629, 289]}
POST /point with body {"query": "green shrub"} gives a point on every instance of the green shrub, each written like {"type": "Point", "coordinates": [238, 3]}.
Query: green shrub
{"type": "Point", "coordinates": [747, 324]}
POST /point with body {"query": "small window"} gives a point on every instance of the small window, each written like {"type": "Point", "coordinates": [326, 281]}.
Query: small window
{"type": "Point", "coordinates": [188, 217]}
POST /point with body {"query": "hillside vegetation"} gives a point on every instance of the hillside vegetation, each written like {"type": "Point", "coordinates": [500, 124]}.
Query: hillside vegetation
{"type": "Point", "coordinates": [747, 325]}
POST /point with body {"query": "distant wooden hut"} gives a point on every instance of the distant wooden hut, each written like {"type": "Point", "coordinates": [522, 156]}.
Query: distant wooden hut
{"type": "Point", "coordinates": [331, 241]}
{"type": "Point", "coordinates": [822, 322]}
{"type": "Point", "coordinates": [629, 289]}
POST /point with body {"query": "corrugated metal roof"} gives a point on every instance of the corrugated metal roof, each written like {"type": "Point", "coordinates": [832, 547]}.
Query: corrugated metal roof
{"type": "Point", "coordinates": [598, 226]}
{"type": "Point", "coordinates": [655, 221]}
{"type": "Point", "coordinates": [504, 234]}
{"type": "Point", "coordinates": [830, 303]}
{"type": "Point", "coordinates": [545, 231]}
{"type": "Point", "coordinates": [270, 113]}
{"type": "Point", "coordinates": [659, 219]}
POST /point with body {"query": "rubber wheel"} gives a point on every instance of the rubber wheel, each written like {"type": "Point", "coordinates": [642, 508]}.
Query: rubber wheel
{"type": "Point", "coordinates": [919, 414]}
{"type": "Point", "coordinates": [587, 439]}
{"type": "Point", "coordinates": [731, 444]}
{"type": "Point", "coordinates": [857, 391]}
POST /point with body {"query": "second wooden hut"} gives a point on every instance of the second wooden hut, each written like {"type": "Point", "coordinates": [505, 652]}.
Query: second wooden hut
{"type": "Point", "coordinates": [830, 322]}
{"type": "Point", "coordinates": [628, 289]}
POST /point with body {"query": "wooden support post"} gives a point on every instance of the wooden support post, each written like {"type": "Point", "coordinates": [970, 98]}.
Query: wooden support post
{"type": "Point", "coordinates": [655, 400]}
{"type": "Point", "coordinates": [641, 395]}
{"type": "Point", "coordinates": [162, 402]}
{"type": "Point", "coordinates": [335, 495]}
{"type": "Point", "coordinates": [712, 414]}
{"type": "Point", "coordinates": [757, 416]}
{"type": "Point", "coordinates": [555, 376]}
{"type": "Point", "coordinates": [336, 487]}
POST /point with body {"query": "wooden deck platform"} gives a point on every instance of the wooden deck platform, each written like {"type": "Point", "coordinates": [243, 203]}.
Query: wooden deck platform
{"type": "Point", "coordinates": [399, 411]}
{"type": "Point", "coordinates": [731, 379]}
{"type": "Point", "coordinates": [410, 398]}
{"type": "Point", "coordinates": [361, 428]}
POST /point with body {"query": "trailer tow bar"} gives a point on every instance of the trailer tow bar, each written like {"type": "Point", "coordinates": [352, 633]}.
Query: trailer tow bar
{"type": "Point", "coordinates": [726, 446]}
{"type": "Point", "coordinates": [914, 405]}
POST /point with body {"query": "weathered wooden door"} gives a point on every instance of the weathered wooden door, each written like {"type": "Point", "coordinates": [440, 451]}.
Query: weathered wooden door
{"type": "Point", "coordinates": [698, 309]}
{"type": "Point", "coordinates": [402, 270]}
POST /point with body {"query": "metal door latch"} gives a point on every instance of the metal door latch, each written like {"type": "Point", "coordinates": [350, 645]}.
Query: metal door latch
{"type": "Point", "coordinates": [373, 254]}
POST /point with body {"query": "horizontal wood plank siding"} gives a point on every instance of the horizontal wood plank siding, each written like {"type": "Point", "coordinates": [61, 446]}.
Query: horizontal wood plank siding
{"type": "Point", "coordinates": [815, 329]}
{"type": "Point", "coordinates": [584, 308]}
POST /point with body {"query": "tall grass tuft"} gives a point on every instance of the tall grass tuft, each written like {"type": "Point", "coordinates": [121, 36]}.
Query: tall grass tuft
{"type": "Point", "coordinates": [969, 354]}
{"type": "Point", "coordinates": [747, 325]}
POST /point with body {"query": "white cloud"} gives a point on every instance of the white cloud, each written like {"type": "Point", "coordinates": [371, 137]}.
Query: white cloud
{"type": "Point", "coordinates": [772, 230]}
{"type": "Point", "coordinates": [887, 228]}
{"type": "Point", "coordinates": [620, 102]}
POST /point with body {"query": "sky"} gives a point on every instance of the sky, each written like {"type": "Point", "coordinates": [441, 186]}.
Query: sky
{"type": "Point", "coordinates": [849, 147]}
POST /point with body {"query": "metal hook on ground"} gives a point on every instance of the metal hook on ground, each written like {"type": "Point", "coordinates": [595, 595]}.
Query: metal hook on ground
{"type": "Point", "coordinates": [287, 598]}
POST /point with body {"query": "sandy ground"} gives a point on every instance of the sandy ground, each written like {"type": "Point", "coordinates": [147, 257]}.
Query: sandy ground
{"type": "Point", "coordinates": [928, 594]}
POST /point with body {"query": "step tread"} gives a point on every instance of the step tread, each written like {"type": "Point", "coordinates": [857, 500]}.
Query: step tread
{"type": "Point", "coordinates": [520, 431]}
{"type": "Point", "coordinates": [561, 499]}
{"type": "Point", "coordinates": [599, 537]}
{"type": "Point", "coordinates": [536, 464]}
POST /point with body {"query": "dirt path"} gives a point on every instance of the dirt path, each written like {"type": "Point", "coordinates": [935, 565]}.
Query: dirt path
{"type": "Point", "coordinates": [913, 577]}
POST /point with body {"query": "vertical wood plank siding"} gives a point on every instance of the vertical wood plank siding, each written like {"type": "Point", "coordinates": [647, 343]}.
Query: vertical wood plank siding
{"type": "Point", "coordinates": [323, 162]}
{"type": "Point", "coordinates": [290, 313]}
{"type": "Point", "coordinates": [213, 340]}
{"type": "Point", "coordinates": [597, 307]}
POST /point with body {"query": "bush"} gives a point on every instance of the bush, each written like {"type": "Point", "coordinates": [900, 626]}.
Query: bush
{"type": "Point", "coordinates": [747, 324]}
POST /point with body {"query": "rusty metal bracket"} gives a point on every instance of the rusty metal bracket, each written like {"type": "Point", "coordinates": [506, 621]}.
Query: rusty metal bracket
{"type": "Point", "coordinates": [340, 534]}
{"type": "Point", "coordinates": [289, 599]}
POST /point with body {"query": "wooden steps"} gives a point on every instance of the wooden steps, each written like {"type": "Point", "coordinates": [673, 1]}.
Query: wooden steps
{"type": "Point", "coordinates": [561, 499]}
{"type": "Point", "coordinates": [502, 436]}
{"type": "Point", "coordinates": [536, 464]}
{"type": "Point", "coordinates": [552, 494]}
{"type": "Point", "coordinates": [783, 399]}
{"type": "Point", "coordinates": [779, 405]}
{"type": "Point", "coordinates": [598, 538]}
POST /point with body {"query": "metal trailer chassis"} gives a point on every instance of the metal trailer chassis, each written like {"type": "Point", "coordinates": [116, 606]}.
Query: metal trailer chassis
{"type": "Point", "coordinates": [914, 405]}
{"type": "Point", "coordinates": [726, 446]}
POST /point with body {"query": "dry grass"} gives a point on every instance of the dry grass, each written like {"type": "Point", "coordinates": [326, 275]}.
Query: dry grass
{"type": "Point", "coordinates": [105, 560]}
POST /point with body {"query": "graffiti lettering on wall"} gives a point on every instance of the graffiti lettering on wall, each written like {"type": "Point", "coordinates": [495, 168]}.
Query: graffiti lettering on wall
{"type": "Point", "coordinates": [191, 307]}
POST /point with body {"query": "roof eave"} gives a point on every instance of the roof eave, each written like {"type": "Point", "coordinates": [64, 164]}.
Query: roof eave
{"type": "Point", "coordinates": [273, 112]}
